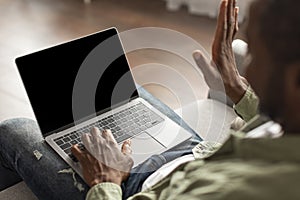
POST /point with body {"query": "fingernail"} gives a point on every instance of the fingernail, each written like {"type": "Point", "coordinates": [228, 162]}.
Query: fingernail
{"type": "Point", "coordinates": [128, 142]}
{"type": "Point", "coordinates": [106, 130]}
{"type": "Point", "coordinates": [196, 55]}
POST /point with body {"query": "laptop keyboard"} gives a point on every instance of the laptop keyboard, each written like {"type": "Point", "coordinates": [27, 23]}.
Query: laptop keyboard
{"type": "Point", "coordinates": [123, 125]}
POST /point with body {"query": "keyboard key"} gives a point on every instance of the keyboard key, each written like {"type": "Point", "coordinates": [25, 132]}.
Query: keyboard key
{"type": "Point", "coordinates": [148, 125]}
{"type": "Point", "coordinates": [116, 117]}
{"type": "Point", "coordinates": [110, 120]}
{"type": "Point", "coordinates": [123, 137]}
{"type": "Point", "coordinates": [81, 146]}
{"type": "Point", "coordinates": [68, 150]}
{"type": "Point", "coordinates": [127, 130]}
{"type": "Point", "coordinates": [155, 122]}
{"type": "Point", "coordinates": [120, 133]}
{"type": "Point", "coordinates": [123, 126]}
{"type": "Point", "coordinates": [136, 131]}
{"type": "Point", "coordinates": [73, 157]}
{"type": "Point", "coordinates": [73, 142]}
{"type": "Point", "coordinates": [65, 146]}
{"type": "Point", "coordinates": [136, 120]}
{"type": "Point", "coordinates": [58, 138]}
{"type": "Point", "coordinates": [112, 125]}
{"type": "Point", "coordinates": [59, 142]}
{"type": "Point", "coordinates": [73, 136]}
{"type": "Point", "coordinates": [143, 127]}
{"type": "Point", "coordinates": [66, 139]}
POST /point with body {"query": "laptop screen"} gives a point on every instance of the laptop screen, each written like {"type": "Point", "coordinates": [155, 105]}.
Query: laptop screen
{"type": "Point", "coordinates": [76, 80]}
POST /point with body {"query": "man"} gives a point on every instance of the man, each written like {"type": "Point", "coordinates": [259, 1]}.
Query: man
{"type": "Point", "coordinates": [242, 168]}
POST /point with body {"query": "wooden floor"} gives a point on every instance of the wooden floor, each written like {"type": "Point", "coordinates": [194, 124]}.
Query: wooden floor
{"type": "Point", "coordinates": [28, 25]}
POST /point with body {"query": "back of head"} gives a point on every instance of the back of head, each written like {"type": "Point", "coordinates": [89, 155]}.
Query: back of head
{"type": "Point", "coordinates": [280, 29]}
{"type": "Point", "coordinates": [274, 31]}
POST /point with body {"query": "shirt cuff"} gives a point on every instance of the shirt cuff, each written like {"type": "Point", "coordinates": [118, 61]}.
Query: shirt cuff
{"type": "Point", "coordinates": [105, 191]}
{"type": "Point", "coordinates": [247, 107]}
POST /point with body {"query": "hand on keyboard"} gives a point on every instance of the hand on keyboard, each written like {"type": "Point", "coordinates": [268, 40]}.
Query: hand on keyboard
{"type": "Point", "coordinates": [102, 161]}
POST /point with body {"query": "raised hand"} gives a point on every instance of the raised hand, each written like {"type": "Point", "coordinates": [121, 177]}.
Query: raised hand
{"type": "Point", "coordinates": [221, 72]}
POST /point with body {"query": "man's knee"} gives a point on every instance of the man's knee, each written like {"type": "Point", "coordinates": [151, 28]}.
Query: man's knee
{"type": "Point", "coordinates": [13, 125]}
{"type": "Point", "coordinates": [19, 127]}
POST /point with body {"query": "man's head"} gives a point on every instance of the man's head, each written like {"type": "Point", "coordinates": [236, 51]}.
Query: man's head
{"type": "Point", "coordinates": [274, 73]}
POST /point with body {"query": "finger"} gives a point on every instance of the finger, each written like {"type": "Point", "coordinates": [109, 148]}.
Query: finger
{"type": "Point", "coordinates": [86, 139]}
{"type": "Point", "coordinates": [126, 148]}
{"type": "Point", "coordinates": [231, 18]}
{"type": "Point", "coordinates": [95, 132]}
{"type": "Point", "coordinates": [222, 18]}
{"type": "Point", "coordinates": [230, 10]}
{"type": "Point", "coordinates": [87, 142]}
{"type": "Point", "coordinates": [77, 152]}
{"type": "Point", "coordinates": [107, 134]}
{"type": "Point", "coordinates": [129, 164]}
{"type": "Point", "coordinates": [203, 63]}
{"type": "Point", "coordinates": [94, 146]}
{"type": "Point", "coordinates": [96, 138]}
{"type": "Point", "coordinates": [236, 21]}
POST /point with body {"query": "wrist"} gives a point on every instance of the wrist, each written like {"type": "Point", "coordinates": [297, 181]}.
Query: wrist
{"type": "Point", "coordinates": [96, 182]}
{"type": "Point", "coordinates": [236, 91]}
{"type": "Point", "coordinates": [105, 179]}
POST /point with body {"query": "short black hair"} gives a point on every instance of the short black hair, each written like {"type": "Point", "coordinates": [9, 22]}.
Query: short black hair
{"type": "Point", "coordinates": [280, 29]}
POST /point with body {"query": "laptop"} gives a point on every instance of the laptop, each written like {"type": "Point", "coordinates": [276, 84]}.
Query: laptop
{"type": "Point", "coordinates": [87, 83]}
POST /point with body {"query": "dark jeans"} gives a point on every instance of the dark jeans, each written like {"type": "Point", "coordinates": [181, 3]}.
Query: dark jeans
{"type": "Point", "coordinates": [20, 137]}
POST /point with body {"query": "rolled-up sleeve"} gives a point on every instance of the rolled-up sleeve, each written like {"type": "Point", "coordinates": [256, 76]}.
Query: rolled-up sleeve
{"type": "Point", "coordinates": [107, 191]}
{"type": "Point", "coordinates": [247, 107]}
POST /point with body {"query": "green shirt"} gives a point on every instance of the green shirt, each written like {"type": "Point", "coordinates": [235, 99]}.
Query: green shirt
{"type": "Point", "coordinates": [247, 107]}
{"type": "Point", "coordinates": [242, 168]}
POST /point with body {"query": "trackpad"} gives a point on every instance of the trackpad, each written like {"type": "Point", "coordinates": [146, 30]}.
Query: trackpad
{"type": "Point", "coordinates": [143, 146]}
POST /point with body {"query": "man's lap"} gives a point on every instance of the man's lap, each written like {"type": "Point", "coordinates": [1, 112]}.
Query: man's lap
{"type": "Point", "coordinates": [42, 175]}
{"type": "Point", "coordinates": [141, 172]}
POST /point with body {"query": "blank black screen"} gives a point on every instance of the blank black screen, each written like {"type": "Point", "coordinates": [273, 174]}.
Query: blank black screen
{"type": "Point", "coordinates": [49, 77]}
